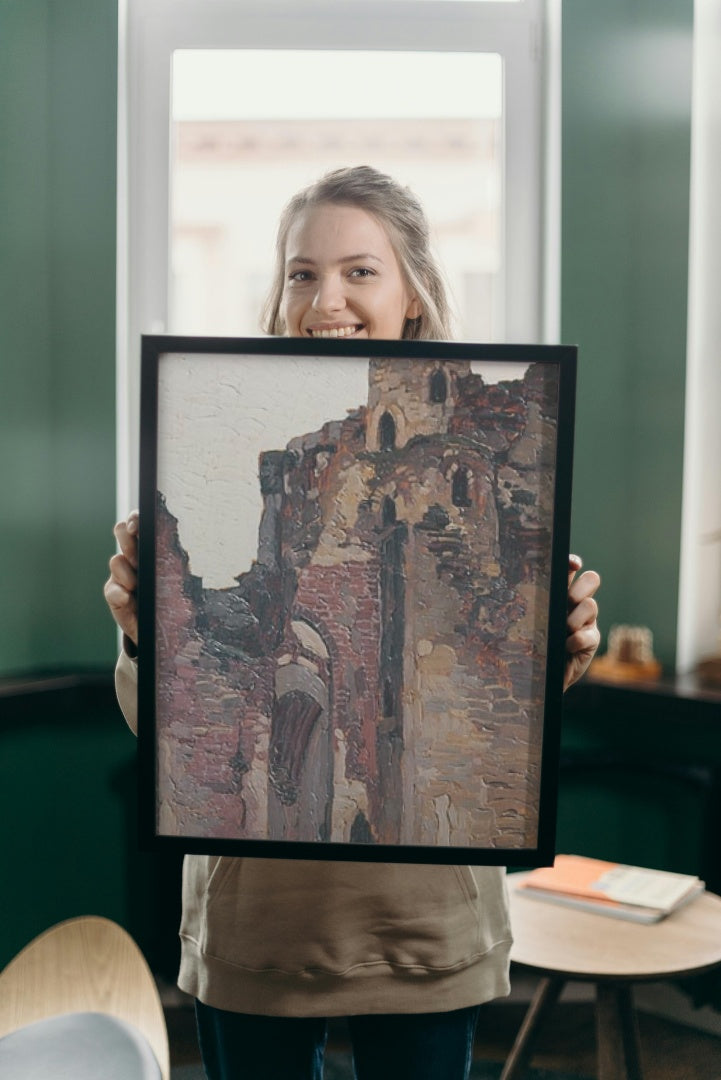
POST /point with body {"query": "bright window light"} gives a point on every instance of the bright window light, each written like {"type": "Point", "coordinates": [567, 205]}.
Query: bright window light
{"type": "Point", "coordinates": [259, 84]}
{"type": "Point", "coordinates": [250, 128]}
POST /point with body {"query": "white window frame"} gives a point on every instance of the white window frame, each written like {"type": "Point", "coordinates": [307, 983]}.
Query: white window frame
{"type": "Point", "coordinates": [526, 34]}
{"type": "Point", "coordinates": [699, 598]}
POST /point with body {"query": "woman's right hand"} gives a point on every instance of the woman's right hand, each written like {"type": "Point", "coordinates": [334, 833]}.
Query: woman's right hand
{"type": "Point", "coordinates": [121, 587]}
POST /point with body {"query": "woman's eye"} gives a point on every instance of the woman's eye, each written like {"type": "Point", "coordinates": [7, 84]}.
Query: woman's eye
{"type": "Point", "coordinates": [362, 272]}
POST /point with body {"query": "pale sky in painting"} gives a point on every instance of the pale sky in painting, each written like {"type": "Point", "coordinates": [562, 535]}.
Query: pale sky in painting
{"type": "Point", "coordinates": [217, 413]}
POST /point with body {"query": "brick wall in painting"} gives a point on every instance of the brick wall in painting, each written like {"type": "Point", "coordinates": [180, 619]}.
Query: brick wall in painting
{"type": "Point", "coordinates": [372, 678]}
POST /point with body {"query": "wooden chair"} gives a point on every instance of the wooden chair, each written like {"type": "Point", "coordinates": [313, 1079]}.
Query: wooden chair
{"type": "Point", "coordinates": [89, 971]}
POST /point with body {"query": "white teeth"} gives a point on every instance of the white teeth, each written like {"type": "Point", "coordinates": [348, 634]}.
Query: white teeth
{"type": "Point", "coordinates": [335, 332]}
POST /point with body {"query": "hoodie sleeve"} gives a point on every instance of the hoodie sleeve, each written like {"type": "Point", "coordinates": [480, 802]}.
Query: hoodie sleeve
{"type": "Point", "coordinates": [126, 688]}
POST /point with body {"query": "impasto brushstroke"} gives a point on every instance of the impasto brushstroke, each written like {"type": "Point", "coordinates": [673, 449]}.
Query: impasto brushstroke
{"type": "Point", "coordinates": [377, 675]}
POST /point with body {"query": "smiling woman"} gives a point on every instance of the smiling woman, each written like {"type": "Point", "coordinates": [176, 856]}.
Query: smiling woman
{"type": "Point", "coordinates": [337, 293]}
{"type": "Point", "coordinates": [288, 939]}
{"type": "Point", "coordinates": [353, 259]}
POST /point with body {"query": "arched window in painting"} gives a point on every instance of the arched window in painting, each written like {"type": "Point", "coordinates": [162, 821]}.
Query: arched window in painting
{"type": "Point", "coordinates": [294, 716]}
{"type": "Point", "coordinates": [387, 432]}
{"type": "Point", "coordinates": [460, 487]}
{"type": "Point", "coordinates": [389, 511]}
{"type": "Point", "coordinates": [438, 387]}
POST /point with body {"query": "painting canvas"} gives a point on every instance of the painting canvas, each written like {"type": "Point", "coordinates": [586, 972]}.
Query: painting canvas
{"type": "Point", "coordinates": [353, 567]}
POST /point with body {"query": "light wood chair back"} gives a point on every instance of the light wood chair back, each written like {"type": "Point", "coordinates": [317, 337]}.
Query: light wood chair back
{"type": "Point", "coordinates": [88, 964]}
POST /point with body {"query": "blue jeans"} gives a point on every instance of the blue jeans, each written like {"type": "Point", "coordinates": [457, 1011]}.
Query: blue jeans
{"type": "Point", "coordinates": [415, 1046]}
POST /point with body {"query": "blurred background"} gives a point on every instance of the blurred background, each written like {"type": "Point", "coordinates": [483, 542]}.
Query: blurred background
{"type": "Point", "coordinates": [646, 756]}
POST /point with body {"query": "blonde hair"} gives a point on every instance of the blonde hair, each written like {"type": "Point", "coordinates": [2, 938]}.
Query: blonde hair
{"type": "Point", "coordinates": [400, 212]}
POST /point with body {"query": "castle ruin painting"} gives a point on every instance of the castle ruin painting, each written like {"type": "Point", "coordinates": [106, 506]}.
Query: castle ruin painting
{"type": "Point", "coordinates": [374, 673]}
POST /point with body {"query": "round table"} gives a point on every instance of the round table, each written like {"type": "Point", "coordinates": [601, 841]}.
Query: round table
{"type": "Point", "coordinates": [562, 944]}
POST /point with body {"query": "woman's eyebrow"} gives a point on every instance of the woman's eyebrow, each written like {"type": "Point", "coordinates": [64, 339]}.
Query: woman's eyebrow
{"type": "Point", "coordinates": [361, 257]}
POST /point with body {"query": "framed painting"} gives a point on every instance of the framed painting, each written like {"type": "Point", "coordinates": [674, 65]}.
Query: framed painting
{"type": "Point", "coordinates": [352, 597]}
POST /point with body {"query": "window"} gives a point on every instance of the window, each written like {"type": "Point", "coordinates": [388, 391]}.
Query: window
{"type": "Point", "coordinates": [438, 387]}
{"type": "Point", "coordinates": [389, 511]}
{"type": "Point", "coordinates": [460, 485]}
{"type": "Point", "coordinates": [236, 160]}
{"type": "Point", "coordinates": [475, 155]}
{"type": "Point", "coordinates": [295, 715]}
{"type": "Point", "coordinates": [387, 432]}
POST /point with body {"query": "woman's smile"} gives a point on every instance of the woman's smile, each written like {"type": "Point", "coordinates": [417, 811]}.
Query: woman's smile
{"type": "Point", "coordinates": [335, 331]}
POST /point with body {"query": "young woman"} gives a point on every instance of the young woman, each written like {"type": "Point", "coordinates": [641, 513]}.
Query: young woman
{"type": "Point", "coordinates": [271, 948]}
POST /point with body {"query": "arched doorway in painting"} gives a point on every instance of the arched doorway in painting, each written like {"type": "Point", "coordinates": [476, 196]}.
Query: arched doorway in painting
{"type": "Point", "coordinates": [294, 717]}
{"type": "Point", "coordinates": [300, 757]}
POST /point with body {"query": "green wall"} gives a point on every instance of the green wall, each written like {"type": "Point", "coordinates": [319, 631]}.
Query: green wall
{"type": "Point", "coordinates": [626, 145]}
{"type": "Point", "coordinates": [58, 71]}
{"type": "Point", "coordinates": [68, 800]}
{"type": "Point", "coordinates": [67, 773]}
{"type": "Point", "coordinates": [641, 779]}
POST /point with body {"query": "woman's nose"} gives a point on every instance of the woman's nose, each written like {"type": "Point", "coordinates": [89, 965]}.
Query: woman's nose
{"type": "Point", "coordinates": [329, 296]}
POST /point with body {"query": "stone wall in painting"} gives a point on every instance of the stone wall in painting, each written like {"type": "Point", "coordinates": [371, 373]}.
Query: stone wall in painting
{"type": "Point", "coordinates": [374, 677]}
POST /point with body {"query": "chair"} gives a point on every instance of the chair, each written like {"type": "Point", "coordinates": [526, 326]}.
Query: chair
{"type": "Point", "coordinates": [79, 1002]}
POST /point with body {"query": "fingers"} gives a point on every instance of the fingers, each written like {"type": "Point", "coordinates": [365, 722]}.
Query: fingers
{"type": "Point", "coordinates": [585, 640]}
{"type": "Point", "coordinates": [584, 586]}
{"type": "Point", "coordinates": [584, 613]}
{"type": "Point", "coordinates": [583, 636]}
{"type": "Point", "coordinates": [575, 562]}
{"type": "Point", "coordinates": [121, 587]}
{"type": "Point", "coordinates": [120, 600]}
{"type": "Point", "coordinates": [124, 572]}
{"type": "Point", "coordinates": [580, 650]}
{"type": "Point", "coordinates": [123, 608]}
{"type": "Point", "coordinates": [582, 608]}
{"type": "Point", "coordinates": [126, 534]}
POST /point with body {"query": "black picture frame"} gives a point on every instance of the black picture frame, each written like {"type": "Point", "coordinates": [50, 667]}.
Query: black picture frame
{"type": "Point", "coordinates": [380, 677]}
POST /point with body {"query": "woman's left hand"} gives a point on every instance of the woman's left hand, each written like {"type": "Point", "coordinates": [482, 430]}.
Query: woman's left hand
{"type": "Point", "coordinates": [583, 636]}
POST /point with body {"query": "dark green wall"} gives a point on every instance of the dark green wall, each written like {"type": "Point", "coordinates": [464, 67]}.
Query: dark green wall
{"type": "Point", "coordinates": [66, 760]}
{"type": "Point", "coordinates": [58, 72]}
{"type": "Point", "coordinates": [641, 778]}
{"type": "Point", "coordinates": [625, 200]}
{"type": "Point", "coordinates": [68, 803]}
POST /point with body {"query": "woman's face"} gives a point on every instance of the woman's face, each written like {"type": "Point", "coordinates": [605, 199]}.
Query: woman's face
{"type": "Point", "coordinates": [342, 277]}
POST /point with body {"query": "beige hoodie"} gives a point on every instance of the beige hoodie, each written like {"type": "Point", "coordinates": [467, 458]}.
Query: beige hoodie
{"type": "Point", "coordinates": [286, 937]}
